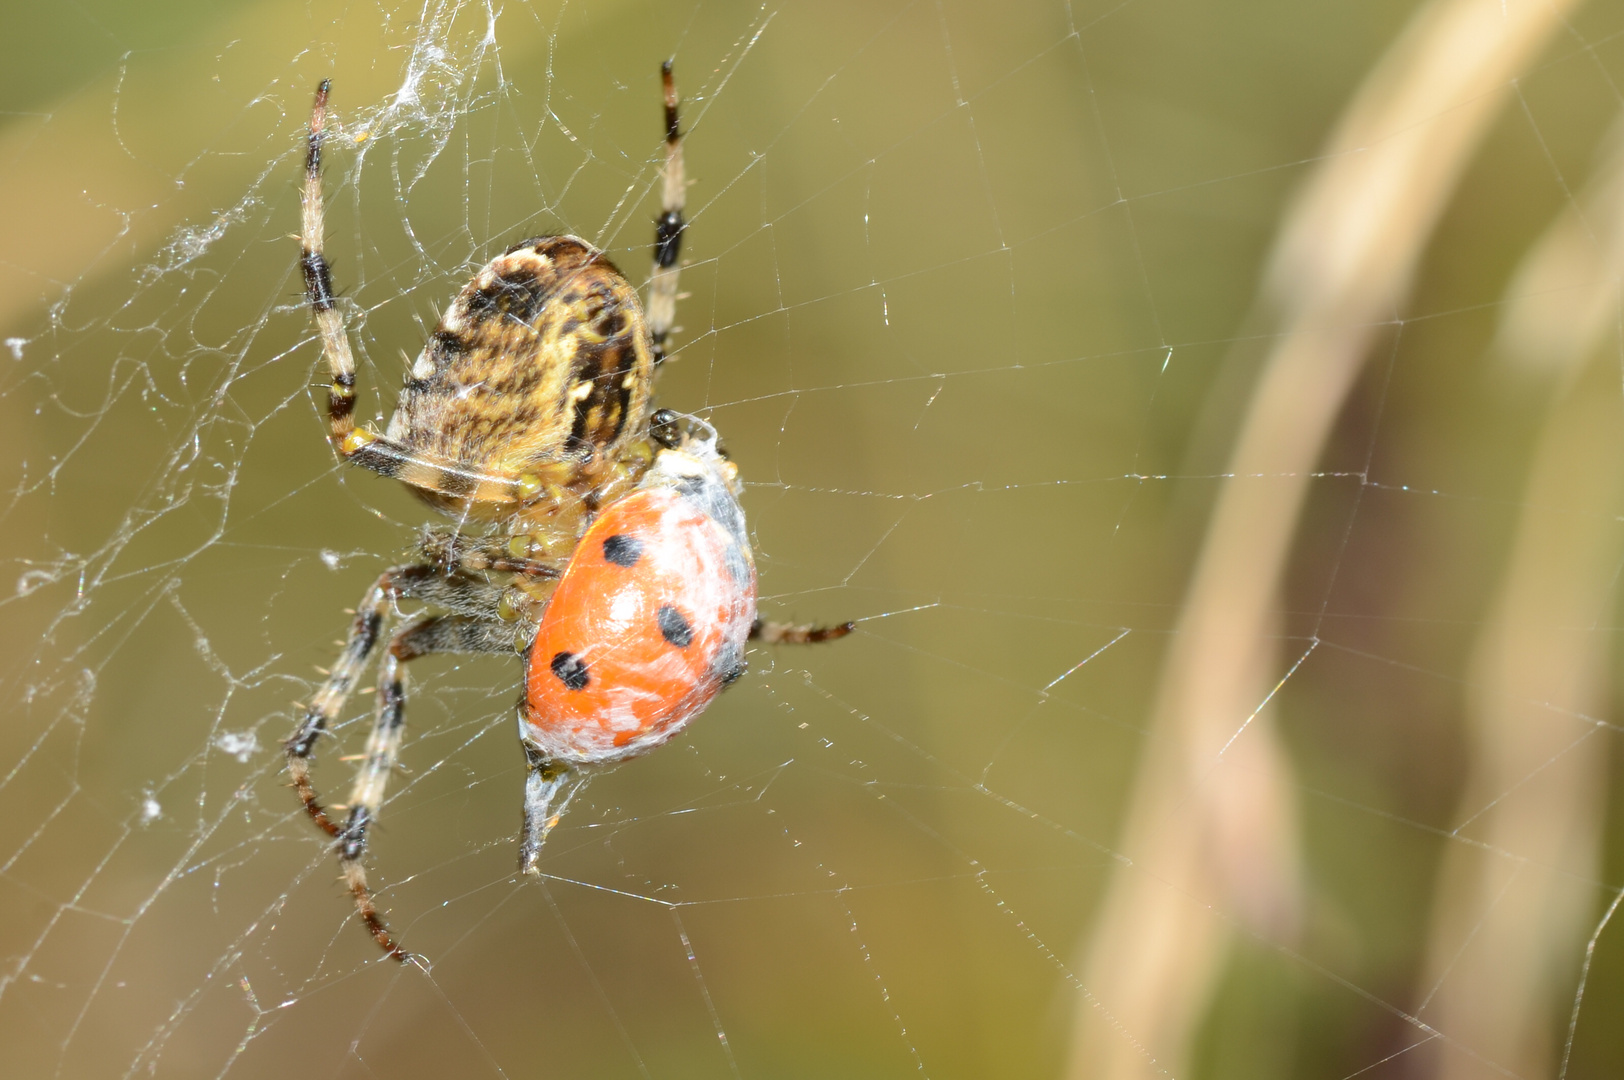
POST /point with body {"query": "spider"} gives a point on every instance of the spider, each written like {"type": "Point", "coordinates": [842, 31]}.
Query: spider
{"type": "Point", "coordinates": [596, 537]}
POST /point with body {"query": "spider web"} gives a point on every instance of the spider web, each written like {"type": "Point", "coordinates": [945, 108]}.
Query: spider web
{"type": "Point", "coordinates": [989, 302]}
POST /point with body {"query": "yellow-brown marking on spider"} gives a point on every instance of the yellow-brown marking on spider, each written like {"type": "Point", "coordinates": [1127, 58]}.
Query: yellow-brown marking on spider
{"type": "Point", "coordinates": [541, 366]}
{"type": "Point", "coordinates": [537, 379]}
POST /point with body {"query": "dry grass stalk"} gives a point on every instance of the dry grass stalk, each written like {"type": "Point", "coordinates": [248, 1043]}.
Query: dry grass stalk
{"type": "Point", "coordinates": [1511, 919]}
{"type": "Point", "coordinates": [1210, 826]}
{"type": "Point", "coordinates": [1564, 297]}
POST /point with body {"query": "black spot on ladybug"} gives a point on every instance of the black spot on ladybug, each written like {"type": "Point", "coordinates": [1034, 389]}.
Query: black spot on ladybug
{"type": "Point", "coordinates": [622, 550]}
{"type": "Point", "coordinates": [571, 670]}
{"type": "Point", "coordinates": [674, 626]}
{"type": "Point", "coordinates": [728, 664]}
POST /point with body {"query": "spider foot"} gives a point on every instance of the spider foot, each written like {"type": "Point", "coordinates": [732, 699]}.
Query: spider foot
{"type": "Point", "coordinates": [355, 876]}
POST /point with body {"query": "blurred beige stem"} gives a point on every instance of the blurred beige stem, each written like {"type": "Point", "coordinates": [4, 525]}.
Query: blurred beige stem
{"type": "Point", "coordinates": [1563, 299]}
{"type": "Point", "coordinates": [1510, 923]}
{"type": "Point", "coordinates": [1210, 828]}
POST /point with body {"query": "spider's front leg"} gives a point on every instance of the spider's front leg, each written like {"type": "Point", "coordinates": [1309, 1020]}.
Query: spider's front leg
{"type": "Point", "coordinates": [360, 445]}
{"type": "Point", "coordinates": [669, 226]}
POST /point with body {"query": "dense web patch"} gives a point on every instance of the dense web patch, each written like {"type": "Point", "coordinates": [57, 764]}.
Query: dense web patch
{"type": "Point", "coordinates": [1210, 419]}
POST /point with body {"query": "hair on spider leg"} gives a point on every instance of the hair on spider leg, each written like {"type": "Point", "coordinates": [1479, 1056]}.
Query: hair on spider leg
{"type": "Point", "coordinates": [354, 876]}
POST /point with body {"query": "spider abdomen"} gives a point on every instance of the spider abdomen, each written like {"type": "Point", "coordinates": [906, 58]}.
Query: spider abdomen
{"type": "Point", "coordinates": [649, 621]}
{"type": "Point", "coordinates": [541, 364]}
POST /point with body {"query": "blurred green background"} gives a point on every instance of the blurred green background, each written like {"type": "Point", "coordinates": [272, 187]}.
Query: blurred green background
{"type": "Point", "coordinates": [976, 299]}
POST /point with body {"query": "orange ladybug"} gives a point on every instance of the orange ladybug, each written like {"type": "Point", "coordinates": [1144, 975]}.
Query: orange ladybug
{"type": "Point", "coordinates": [647, 625]}
{"type": "Point", "coordinates": [651, 617]}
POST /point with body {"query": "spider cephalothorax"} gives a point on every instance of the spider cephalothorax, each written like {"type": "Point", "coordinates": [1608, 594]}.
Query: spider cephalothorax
{"type": "Point", "coordinates": [612, 554]}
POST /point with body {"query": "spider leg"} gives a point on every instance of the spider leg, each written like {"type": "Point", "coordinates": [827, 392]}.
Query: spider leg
{"type": "Point", "coordinates": [419, 637]}
{"type": "Point", "coordinates": [370, 617]}
{"type": "Point", "coordinates": [335, 342]}
{"type": "Point", "coordinates": [366, 797]}
{"type": "Point", "coordinates": [548, 789]}
{"type": "Point", "coordinates": [360, 445]}
{"type": "Point", "coordinates": [452, 548]}
{"type": "Point", "coordinates": [668, 227]}
{"type": "Point", "coordinates": [777, 633]}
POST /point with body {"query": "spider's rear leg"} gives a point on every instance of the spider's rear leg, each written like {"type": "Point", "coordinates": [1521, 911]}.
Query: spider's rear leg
{"type": "Point", "coordinates": [366, 797]}
{"type": "Point", "coordinates": [421, 636]}
{"type": "Point", "coordinates": [371, 615]}
{"type": "Point", "coordinates": [452, 548]}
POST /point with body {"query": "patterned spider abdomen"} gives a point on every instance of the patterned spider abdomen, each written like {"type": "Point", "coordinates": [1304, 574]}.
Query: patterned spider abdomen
{"type": "Point", "coordinates": [541, 365]}
{"type": "Point", "coordinates": [650, 619]}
